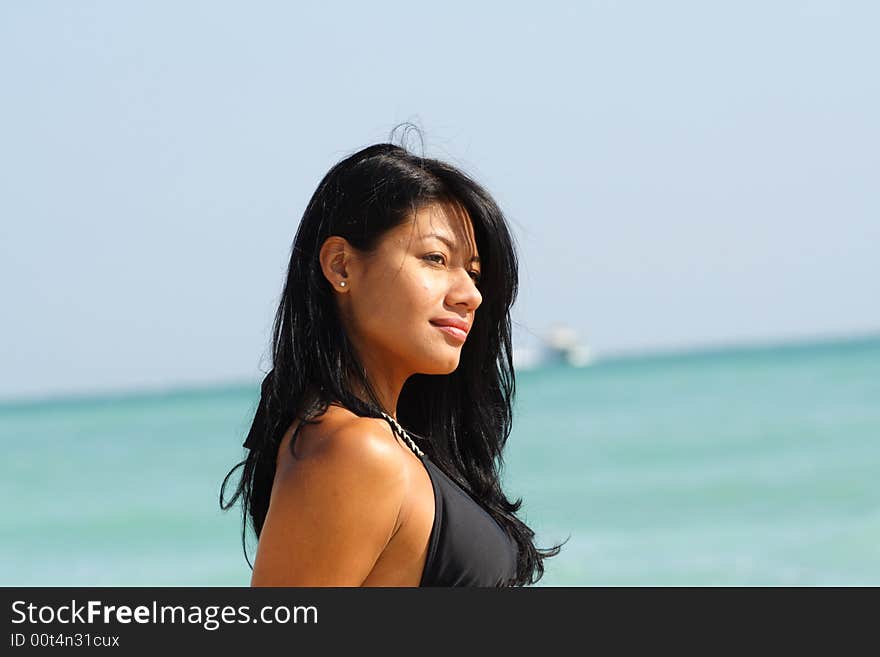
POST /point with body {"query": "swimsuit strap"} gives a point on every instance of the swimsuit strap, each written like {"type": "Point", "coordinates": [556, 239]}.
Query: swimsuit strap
{"type": "Point", "coordinates": [395, 427]}
{"type": "Point", "coordinates": [400, 431]}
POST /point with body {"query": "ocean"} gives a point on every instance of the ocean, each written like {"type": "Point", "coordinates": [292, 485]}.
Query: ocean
{"type": "Point", "coordinates": [745, 466]}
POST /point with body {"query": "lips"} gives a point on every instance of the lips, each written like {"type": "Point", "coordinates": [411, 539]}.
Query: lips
{"type": "Point", "coordinates": [453, 326]}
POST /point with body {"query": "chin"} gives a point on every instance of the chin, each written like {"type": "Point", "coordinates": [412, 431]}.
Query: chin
{"type": "Point", "coordinates": [442, 366]}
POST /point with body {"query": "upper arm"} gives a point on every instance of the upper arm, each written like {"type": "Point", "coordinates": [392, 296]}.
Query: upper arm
{"type": "Point", "coordinates": [332, 513]}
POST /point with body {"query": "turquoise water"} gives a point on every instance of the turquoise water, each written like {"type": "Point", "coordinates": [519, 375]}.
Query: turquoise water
{"type": "Point", "coordinates": [739, 467]}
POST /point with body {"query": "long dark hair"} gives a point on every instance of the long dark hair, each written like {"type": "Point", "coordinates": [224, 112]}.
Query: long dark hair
{"type": "Point", "coordinates": [462, 420]}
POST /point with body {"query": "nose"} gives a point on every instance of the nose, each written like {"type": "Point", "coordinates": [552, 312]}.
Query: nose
{"type": "Point", "coordinates": [464, 292]}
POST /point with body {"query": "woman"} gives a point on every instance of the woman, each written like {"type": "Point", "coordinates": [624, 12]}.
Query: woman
{"type": "Point", "coordinates": [395, 313]}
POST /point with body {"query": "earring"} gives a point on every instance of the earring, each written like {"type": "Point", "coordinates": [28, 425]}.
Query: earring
{"type": "Point", "coordinates": [341, 283]}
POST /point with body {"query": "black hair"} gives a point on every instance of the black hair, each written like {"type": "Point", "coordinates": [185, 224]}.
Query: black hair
{"type": "Point", "coordinates": [462, 420]}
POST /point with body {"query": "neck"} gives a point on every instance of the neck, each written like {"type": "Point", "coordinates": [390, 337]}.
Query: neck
{"type": "Point", "coordinates": [386, 393]}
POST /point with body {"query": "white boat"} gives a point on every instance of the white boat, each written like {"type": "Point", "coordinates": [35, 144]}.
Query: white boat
{"type": "Point", "coordinates": [559, 345]}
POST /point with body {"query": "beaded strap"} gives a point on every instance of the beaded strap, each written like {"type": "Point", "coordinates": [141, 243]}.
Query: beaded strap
{"type": "Point", "coordinates": [402, 433]}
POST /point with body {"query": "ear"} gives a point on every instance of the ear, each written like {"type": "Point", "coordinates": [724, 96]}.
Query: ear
{"type": "Point", "coordinates": [335, 257]}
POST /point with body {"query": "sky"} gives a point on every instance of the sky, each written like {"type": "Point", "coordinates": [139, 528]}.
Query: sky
{"type": "Point", "coordinates": [677, 175]}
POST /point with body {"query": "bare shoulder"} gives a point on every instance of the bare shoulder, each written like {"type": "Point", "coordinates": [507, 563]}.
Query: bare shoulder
{"type": "Point", "coordinates": [348, 452]}
{"type": "Point", "coordinates": [333, 510]}
{"type": "Point", "coordinates": [343, 438]}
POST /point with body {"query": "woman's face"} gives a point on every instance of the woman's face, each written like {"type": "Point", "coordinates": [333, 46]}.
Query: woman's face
{"type": "Point", "coordinates": [423, 273]}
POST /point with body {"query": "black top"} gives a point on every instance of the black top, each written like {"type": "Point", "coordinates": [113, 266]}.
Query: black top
{"type": "Point", "coordinates": [467, 546]}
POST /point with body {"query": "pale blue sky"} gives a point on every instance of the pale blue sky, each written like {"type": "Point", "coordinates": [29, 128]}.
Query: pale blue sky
{"type": "Point", "coordinates": [676, 173]}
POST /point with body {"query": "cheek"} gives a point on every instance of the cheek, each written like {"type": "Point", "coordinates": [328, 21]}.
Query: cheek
{"type": "Point", "coordinates": [394, 304]}
{"type": "Point", "coordinates": [408, 304]}
{"type": "Point", "coordinates": [428, 282]}
{"type": "Point", "coordinates": [426, 296]}
{"type": "Point", "coordinates": [413, 304]}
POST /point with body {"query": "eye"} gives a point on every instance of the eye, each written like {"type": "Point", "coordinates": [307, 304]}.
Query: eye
{"type": "Point", "coordinates": [436, 255]}
{"type": "Point", "coordinates": [441, 259]}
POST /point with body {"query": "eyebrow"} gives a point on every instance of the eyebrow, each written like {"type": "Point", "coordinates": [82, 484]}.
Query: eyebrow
{"type": "Point", "coordinates": [448, 243]}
